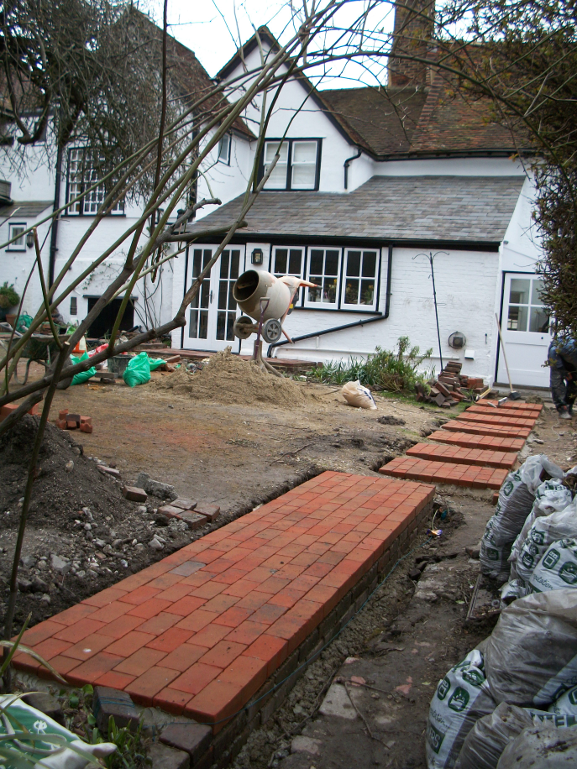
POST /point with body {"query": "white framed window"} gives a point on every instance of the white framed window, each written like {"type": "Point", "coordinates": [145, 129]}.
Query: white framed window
{"type": "Point", "coordinates": [360, 273]}
{"type": "Point", "coordinates": [324, 269]}
{"type": "Point", "coordinates": [526, 311]}
{"type": "Point", "coordinates": [81, 176]}
{"type": "Point", "coordinates": [298, 167]}
{"type": "Point", "coordinates": [224, 146]}
{"type": "Point", "coordinates": [16, 230]}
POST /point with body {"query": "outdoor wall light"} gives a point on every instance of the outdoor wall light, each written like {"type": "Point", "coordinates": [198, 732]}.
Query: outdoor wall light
{"type": "Point", "coordinates": [257, 256]}
{"type": "Point", "coordinates": [30, 240]}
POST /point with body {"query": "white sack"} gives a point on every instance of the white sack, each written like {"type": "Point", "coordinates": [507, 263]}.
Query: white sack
{"type": "Point", "coordinates": [356, 395]}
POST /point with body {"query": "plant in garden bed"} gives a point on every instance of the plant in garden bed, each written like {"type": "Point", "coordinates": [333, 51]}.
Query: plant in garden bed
{"type": "Point", "coordinates": [9, 297]}
{"type": "Point", "coordinates": [383, 370]}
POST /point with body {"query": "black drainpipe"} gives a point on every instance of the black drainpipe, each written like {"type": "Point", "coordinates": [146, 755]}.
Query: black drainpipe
{"type": "Point", "coordinates": [381, 316]}
{"type": "Point", "coordinates": [347, 163]}
{"type": "Point", "coordinates": [54, 230]}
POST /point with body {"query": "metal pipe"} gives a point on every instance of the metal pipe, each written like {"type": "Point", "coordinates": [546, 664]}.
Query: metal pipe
{"type": "Point", "coordinates": [381, 316]}
{"type": "Point", "coordinates": [346, 165]}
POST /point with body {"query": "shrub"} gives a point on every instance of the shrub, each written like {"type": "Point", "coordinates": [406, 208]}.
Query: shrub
{"type": "Point", "coordinates": [8, 296]}
{"type": "Point", "coordinates": [383, 370]}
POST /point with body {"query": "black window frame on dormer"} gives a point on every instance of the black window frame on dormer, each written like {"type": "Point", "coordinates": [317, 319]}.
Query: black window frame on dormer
{"type": "Point", "coordinates": [290, 141]}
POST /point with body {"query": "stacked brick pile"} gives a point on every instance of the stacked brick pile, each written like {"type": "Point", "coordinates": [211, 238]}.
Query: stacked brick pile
{"type": "Point", "coordinates": [478, 449]}
{"type": "Point", "coordinates": [447, 389]}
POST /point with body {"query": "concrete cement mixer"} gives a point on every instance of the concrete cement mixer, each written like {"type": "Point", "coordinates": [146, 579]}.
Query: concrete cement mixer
{"type": "Point", "coordinates": [264, 297]}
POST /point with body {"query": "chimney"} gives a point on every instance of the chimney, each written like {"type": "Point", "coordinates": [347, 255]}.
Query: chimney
{"type": "Point", "coordinates": [413, 36]}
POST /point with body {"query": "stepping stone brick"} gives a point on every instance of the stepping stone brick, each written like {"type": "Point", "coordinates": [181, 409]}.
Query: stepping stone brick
{"type": "Point", "coordinates": [134, 494]}
{"type": "Point", "coordinates": [482, 428]}
{"type": "Point", "coordinates": [499, 420]}
{"type": "Point", "coordinates": [462, 455]}
{"type": "Point", "coordinates": [164, 757]}
{"type": "Point", "coordinates": [110, 702]}
{"type": "Point", "coordinates": [492, 412]}
{"type": "Point", "coordinates": [516, 405]}
{"type": "Point", "coordinates": [471, 476]}
{"type": "Point", "coordinates": [475, 441]}
{"type": "Point", "coordinates": [211, 512]}
{"type": "Point", "coordinates": [183, 504]}
{"type": "Point", "coordinates": [193, 738]}
{"type": "Point", "coordinates": [199, 632]}
{"type": "Point", "coordinates": [193, 520]}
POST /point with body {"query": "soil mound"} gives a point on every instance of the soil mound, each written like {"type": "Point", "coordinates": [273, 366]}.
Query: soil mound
{"type": "Point", "coordinates": [61, 489]}
{"type": "Point", "coordinates": [229, 379]}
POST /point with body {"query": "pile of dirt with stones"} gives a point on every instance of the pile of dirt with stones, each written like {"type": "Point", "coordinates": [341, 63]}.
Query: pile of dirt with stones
{"type": "Point", "coordinates": [82, 535]}
{"type": "Point", "coordinates": [228, 379]}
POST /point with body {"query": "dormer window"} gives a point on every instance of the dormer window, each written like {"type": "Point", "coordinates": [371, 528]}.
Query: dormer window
{"type": "Point", "coordinates": [298, 166]}
{"type": "Point", "coordinates": [224, 149]}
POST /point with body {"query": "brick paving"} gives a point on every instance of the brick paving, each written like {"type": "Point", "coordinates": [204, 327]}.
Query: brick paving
{"type": "Point", "coordinates": [462, 455]}
{"type": "Point", "coordinates": [200, 631]}
{"type": "Point", "coordinates": [498, 420]}
{"type": "Point", "coordinates": [486, 428]}
{"type": "Point", "coordinates": [473, 440]}
{"type": "Point", "coordinates": [521, 405]}
{"type": "Point", "coordinates": [472, 476]}
{"type": "Point", "coordinates": [517, 413]}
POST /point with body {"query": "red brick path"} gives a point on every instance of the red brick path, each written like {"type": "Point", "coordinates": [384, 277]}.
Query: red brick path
{"type": "Point", "coordinates": [482, 428]}
{"type": "Point", "coordinates": [462, 455]}
{"type": "Point", "coordinates": [200, 631]}
{"type": "Point", "coordinates": [474, 441]}
{"type": "Point", "coordinates": [472, 476]}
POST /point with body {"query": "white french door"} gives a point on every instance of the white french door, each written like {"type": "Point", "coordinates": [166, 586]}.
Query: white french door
{"type": "Point", "coordinates": [211, 315]}
{"type": "Point", "coordinates": [525, 328]}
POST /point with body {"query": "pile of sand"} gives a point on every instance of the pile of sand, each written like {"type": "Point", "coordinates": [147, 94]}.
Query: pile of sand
{"type": "Point", "coordinates": [226, 378]}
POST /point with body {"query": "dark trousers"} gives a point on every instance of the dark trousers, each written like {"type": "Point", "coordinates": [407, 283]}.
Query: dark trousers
{"type": "Point", "coordinates": [563, 390]}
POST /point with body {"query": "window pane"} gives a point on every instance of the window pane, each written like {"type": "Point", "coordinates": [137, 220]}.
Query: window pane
{"type": "Point", "coordinates": [332, 263]}
{"type": "Point", "coordinates": [193, 325]}
{"type": "Point", "coordinates": [354, 263]}
{"type": "Point", "coordinates": [517, 320]}
{"type": "Point", "coordinates": [224, 264]}
{"type": "Point", "coordinates": [295, 262]}
{"type": "Point", "coordinates": [519, 292]}
{"type": "Point", "coordinates": [303, 177]}
{"type": "Point", "coordinates": [220, 325]}
{"type": "Point", "coordinates": [369, 264]}
{"type": "Point", "coordinates": [222, 294]}
{"type": "Point", "coordinates": [280, 257]}
{"type": "Point", "coordinates": [223, 148]}
{"type": "Point", "coordinates": [367, 292]}
{"type": "Point", "coordinates": [277, 179]}
{"type": "Point", "coordinates": [314, 294]}
{"type": "Point", "coordinates": [536, 289]}
{"type": "Point", "coordinates": [234, 264]}
{"type": "Point", "coordinates": [316, 261]}
{"type": "Point", "coordinates": [270, 152]}
{"type": "Point", "coordinates": [330, 290]}
{"type": "Point", "coordinates": [352, 291]}
{"type": "Point", "coordinates": [304, 152]}
{"type": "Point", "coordinates": [539, 320]}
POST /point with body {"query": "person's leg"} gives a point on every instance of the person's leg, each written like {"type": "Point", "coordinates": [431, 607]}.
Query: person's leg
{"type": "Point", "coordinates": [571, 395]}
{"type": "Point", "coordinates": [559, 392]}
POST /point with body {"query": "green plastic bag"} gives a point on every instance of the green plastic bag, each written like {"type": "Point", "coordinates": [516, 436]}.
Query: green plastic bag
{"type": "Point", "coordinates": [23, 323]}
{"type": "Point", "coordinates": [155, 363]}
{"type": "Point", "coordinates": [83, 376]}
{"type": "Point", "coordinates": [138, 370]}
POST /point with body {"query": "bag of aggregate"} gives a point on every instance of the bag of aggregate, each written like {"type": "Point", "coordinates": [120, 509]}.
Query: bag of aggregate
{"type": "Point", "coordinates": [516, 499]}
{"type": "Point", "coordinates": [543, 532]}
{"type": "Point", "coordinates": [550, 497]}
{"type": "Point", "coordinates": [462, 697]}
{"type": "Point", "coordinates": [515, 588]}
{"type": "Point", "coordinates": [356, 395]}
{"type": "Point", "coordinates": [531, 655]}
{"type": "Point", "coordinates": [491, 735]}
{"type": "Point", "coordinates": [557, 568]}
{"type": "Point", "coordinates": [53, 749]}
{"type": "Point", "coordinates": [543, 746]}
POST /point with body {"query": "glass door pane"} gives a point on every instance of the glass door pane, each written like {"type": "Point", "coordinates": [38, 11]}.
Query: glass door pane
{"type": "Point", "coordinates": [226, 306]}
{"type": "Point", "coordinates": [198, 315]}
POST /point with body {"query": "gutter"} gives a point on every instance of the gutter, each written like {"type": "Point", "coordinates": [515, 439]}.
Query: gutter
{"type": "Point", "coordinates": [55, 222]}
{"type": "Point", "coordinates": [381, 316]}
{"type": "Point", "coordinates": [347, 163]}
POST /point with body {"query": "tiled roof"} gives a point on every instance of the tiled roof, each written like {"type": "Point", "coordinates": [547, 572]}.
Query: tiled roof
{"type": "Point", "coordinates": [26, 208]}
{"type": "Point", "coordinates": [411, 208]}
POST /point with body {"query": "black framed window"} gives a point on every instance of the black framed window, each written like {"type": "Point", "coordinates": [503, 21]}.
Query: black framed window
{"type": "Point", "coordinates": [82, 174]}
{"type": "Point", "coordinates": [298, 167]}
{"type": "Point", "coordinates": [224, 146]}
{"type": "Point", "coordinates": [16, 230]}
{"type": "Point", "coordinates": [360, 279]}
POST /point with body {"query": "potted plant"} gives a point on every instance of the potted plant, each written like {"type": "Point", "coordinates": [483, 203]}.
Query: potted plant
{"type": "Point", "coordinates": [9, 299]}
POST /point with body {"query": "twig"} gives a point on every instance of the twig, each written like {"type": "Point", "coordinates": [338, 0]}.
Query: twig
{"type": "Point", "coordinates": [364, 720]}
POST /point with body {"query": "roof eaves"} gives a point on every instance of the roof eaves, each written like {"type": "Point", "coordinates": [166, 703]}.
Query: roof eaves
{"type": "Point", "coordinates": [265, 34]}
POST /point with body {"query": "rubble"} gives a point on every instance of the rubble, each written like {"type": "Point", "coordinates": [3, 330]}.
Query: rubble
{"type": "Point", "coordinates": [447, 390]}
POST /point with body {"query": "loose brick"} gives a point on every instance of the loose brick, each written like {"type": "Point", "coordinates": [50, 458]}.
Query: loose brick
{"type": "Point", "coordinates": [193, 520]}
{"type": "Point", "coordinates": [112, 471]}
{"type": "Point", "coordinates": [192, 738]}
{"type": "Point", "coordinates": [183, 504]}
{"type": "Point", "coordinates": [165, 757]}
{"type": "Point", "coordinates": [134, 494]}
{"type": "Point", "coordinates": [110, 702]}
{"type": "Point", "coordinates": [211, 512]}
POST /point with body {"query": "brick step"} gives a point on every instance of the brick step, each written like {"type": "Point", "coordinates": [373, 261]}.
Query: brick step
{"type": "Point", "coordinates": [471, 476]}
{"type": "Point", "coordinates": [482, 428]}
{"type": "Point", "coordinates": [461, 455]}
{"type": "Point", "coordinates": [498, 420]}
{"type": "Point", "coordinates": [537, 407]}
{"type": "Point", "coordinates": [488, 411]}
{"type": "Point", "coordinates": [475, 441]}
{"type": "Point", "coordinates": [200, 632]}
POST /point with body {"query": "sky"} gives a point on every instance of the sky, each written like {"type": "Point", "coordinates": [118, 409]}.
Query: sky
{"type": "Point", "coordinates": [213, 28]}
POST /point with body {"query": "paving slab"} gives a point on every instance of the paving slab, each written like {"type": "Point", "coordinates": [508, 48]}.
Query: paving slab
{"type": "Point", "coordinates": [499, 420]}
{"type": "Point", "coordinates": [476, 441]}
{"type": "Point", "coordinates": [516, 413]}
{"type": "Point", "coordinates": [462, 455]}
{"type": "Point", "coordinates": [515, 405]}
{"type": "Point", "coordinates": [200, 631]}
{"type": "Point", "coordinates": [471, 476]}
{"type": "Point", "coordinates": [486, 428]}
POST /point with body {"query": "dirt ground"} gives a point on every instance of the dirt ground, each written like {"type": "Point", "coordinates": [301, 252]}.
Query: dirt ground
{"type": "Point", "coordinates": [239, 455]}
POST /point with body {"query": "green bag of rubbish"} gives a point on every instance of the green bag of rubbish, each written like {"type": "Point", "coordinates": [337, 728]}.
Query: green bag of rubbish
{"type": "Point", "coordinates": [83, 376]}
{"type": "Point", "coordinates": [155, 363]}
{"type": "Point", "coordinates": [138, 370]}
{"type": "Point", "coordinates": [23, 323]}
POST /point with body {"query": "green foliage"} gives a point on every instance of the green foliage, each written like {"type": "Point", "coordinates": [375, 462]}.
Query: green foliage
{"type": "Point", "coordinates": [8, 296]}
{"type": "Point", "coordinates": [383, 370]}
{"type": "Point", "coordinates": [130, 745]}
